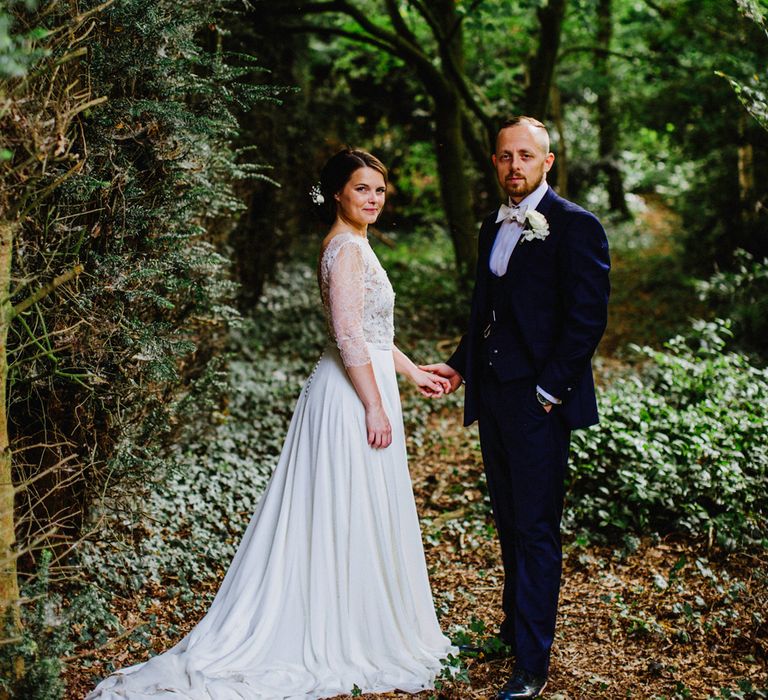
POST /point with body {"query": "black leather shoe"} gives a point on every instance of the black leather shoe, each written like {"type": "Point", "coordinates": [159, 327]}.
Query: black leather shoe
{"type": "Point", "coordinates": [522, 684]}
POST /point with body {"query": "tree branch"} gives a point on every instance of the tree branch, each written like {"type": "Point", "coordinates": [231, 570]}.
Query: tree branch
{"type": "Point", "coordinates": [46, 289]}
{"type": "Point", "coordinates": [337, 31]}
{"type": "Point", "coordinates": [423, 9]}
{"type": "Point", "coordinates": [457, 77]}
{"type": "Point", "coordinates": [388, 40]}
{"type": "Point", "coordinates": [602, 52]}
{"type": "Point", "coordinates": [469, 99]}
{"type": "Point", "coordinates": [398, 22]}
{"type": "Point", "coordinates": [457, 24]}
{"type": "Point", "coordinates": [405, 49]}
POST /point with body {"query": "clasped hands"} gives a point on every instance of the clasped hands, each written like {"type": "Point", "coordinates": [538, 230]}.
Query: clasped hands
{"type": "Point", "coordinates": [435, 380]}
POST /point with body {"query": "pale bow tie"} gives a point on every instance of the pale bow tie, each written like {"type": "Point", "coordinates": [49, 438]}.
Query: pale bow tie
{"type": "Point", "coordinates": [507, 213]}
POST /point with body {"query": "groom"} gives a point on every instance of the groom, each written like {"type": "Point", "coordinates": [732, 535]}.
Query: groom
{"type": "Point", "coordinates": [538, 311]}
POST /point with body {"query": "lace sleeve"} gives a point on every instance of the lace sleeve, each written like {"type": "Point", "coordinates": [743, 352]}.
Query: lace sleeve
{"type": "Point", "coordinates": [346, 301]}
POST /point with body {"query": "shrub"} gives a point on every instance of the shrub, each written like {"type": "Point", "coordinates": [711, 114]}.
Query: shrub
{"type": "Point", "coordinates": [132, 197]}
{"type": "Point", "coordinates": [39, 645]}
{"type": "Point", "coordinates": [682, 445]}
{"type": "Point", "coordinates": [741, 294]}
{"type": "Point", "coordinates": [117, 176]}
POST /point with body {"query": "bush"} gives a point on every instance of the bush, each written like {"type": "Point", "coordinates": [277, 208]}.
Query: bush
{"type": "Point", "coordinates": [741, 294]}
{"type": "Point", "coordinates": [129, 204]}
{"type": "Point", "coordinates": [39, 645]}
{"type": "Point", "coordinates": [117, 182]}
{"type": "Point", "coordinates": [682, 446]}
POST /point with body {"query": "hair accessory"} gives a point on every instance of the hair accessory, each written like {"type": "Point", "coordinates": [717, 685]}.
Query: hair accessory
{"type": "Point", "coordinates": [317, 195]}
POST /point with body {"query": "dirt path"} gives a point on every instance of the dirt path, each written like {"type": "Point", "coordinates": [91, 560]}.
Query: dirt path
{"type": "Point", "coordinates": [650, 298]}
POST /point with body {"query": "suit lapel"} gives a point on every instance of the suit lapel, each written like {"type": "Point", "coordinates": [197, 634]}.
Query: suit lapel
{"type": "Point", "coordinates": [493, 231]}
{"type": "Point", "coordinates": [546, 201]}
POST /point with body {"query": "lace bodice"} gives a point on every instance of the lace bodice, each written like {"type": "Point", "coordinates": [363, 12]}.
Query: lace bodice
{"type": "Point", "coordinates": [358, 299]}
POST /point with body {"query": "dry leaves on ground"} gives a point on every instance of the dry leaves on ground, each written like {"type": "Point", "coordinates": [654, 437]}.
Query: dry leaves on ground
{"type": "Point", "coordinates": [667, 620]}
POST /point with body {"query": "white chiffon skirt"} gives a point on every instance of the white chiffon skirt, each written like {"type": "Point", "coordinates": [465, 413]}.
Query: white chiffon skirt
{"type": "Point", "coordinates": [328, 591]}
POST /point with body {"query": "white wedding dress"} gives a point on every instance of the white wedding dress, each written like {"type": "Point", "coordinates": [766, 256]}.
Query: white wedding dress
{"type": "Point", "coordinates": [328, 590]}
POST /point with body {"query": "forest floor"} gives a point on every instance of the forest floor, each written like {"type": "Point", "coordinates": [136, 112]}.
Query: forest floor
{"type": "Point", "coordinates": [646, 618]}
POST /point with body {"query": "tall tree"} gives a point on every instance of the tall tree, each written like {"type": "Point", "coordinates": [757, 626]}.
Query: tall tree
{"type": "Point", "coordinates": [550, 15]}
{"type": "Point", "coordinates": [606, 114]}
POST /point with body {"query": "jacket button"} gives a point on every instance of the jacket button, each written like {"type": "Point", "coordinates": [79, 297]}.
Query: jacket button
{"type": "Point", "coordinates": [495, 352]}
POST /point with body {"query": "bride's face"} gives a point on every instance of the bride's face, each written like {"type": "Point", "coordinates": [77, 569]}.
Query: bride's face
{"type": "Point", "coordinates": [362, 197]}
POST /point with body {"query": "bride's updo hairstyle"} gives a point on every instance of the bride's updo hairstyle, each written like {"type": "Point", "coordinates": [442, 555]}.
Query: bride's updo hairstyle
{"type": "Point", "coordinates": [335, 174]}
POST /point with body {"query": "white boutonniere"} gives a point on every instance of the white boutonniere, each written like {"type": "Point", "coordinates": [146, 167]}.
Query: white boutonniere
{"type": "Point", "coordinates": [536, 226]}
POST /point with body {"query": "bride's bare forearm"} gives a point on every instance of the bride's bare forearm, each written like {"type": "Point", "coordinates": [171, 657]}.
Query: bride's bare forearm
{"type": "Point", "coordinates": [365, 385]}
{"type": "Point", "coordinates": [403, 364]}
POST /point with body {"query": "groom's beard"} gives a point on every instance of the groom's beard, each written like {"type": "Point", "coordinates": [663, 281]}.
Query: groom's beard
{"type": "Point", "coordinates": [518, 187]}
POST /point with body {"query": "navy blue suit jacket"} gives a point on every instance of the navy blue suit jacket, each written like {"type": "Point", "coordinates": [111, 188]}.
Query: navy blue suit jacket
{"type": "Point", "coordinates": [557, 290]}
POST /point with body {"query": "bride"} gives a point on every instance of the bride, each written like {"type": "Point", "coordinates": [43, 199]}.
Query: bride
{"type": "Point", "coordinates": [328, 591]}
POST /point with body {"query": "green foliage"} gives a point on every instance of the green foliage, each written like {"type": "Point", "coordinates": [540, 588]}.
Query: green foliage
{"type": "Point", "coordinates": [117, 160]}
{"type": "Point", "coordinates": [142, 213]}
{"type": "Point", "coordinates": [753, 97]}
{"type": "Point", "coordinates": [741, 293]}
{"type": "Point", "coordinates": [430, 303]}
{"type": "Point", "coordinates": [16, 50]}
{"type": "Point", "coordinates": [745, 690]}
{"type": "Point", "coordinates": [679, 127]}
{"type": "Point", "coordinates": [42, 641]}
{"type": "Point", "coordinates": [681, 446]}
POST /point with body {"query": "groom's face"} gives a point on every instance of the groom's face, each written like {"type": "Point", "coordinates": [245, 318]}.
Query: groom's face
{"type": "Point", "coordinates": [522, 159]}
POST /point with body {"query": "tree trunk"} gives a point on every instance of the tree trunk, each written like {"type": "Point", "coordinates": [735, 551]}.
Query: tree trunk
{"type": "Point", "coordinates": [542, 67]}
{"type": "Point", "coordinates": [455, 187]}
{"type": "Point", "coordinates": [451, 150]}
{"type": "Point", "coordinates": [561, 162]}
{"type": "Point", "coordinates": [9, 586]}
{"type": "Point", "coordinates": [746, 167]}
{"type": "Point", "coordinates": [606, 118]}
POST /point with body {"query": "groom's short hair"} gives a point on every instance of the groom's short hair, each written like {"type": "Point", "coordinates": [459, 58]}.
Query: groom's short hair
{"type": "Point", "coordinates": [528, 121]}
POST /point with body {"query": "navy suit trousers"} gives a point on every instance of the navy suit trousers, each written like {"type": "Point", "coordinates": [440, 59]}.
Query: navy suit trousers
{"type": "Point", "coordinates": [525, 452]}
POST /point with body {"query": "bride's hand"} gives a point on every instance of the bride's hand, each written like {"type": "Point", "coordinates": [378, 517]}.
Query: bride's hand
{"type": "Point", "coordinates": [378, 426]}
{"type": "Point", "coordinates": [430, 384]}
{"type": "Point", "coordinates": [444, 370]}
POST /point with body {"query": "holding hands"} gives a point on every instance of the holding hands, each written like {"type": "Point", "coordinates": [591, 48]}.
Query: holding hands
{"type": "Point", "coordinates": [431, 380]}
{"type": "Point", "coordinates": [451, 378]}
{"type": "Point", "coordinates": [430, 384]}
